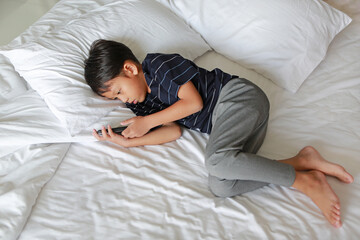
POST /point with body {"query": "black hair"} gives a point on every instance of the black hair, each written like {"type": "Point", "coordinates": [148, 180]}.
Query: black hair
{"type": "Point", "coordinates": [105, 62]}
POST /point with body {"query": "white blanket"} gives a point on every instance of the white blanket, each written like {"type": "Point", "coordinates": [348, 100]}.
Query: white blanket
{"type": "Point", "coordinates": [23, 174]}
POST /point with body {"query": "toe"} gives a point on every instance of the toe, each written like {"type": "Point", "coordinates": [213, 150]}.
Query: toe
{"type": "Point", "coordinates": [349, 178]}
{"type": "Point", "coordinates": [336, 212]}
{"type": "Point", "coordinates": [335, 220]}
{"type": "Point", "coordinates": [335, 216]}
{"type": "Point", "coordinates": [337, 224]}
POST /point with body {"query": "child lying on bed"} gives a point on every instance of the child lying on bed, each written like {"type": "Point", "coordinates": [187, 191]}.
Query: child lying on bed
{"type": "Point", "coordinates": [167, 90]}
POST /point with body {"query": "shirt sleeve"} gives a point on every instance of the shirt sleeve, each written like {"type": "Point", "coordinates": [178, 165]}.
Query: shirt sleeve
{"type": "Point", "coordinates": [171, 71]}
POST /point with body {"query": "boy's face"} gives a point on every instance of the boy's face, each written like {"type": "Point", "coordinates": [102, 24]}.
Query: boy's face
{"type": "Point", "coordinates": [129, 87]}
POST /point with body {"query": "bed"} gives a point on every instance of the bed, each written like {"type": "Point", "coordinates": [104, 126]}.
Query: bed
{"type": "Point", "coordinates": [57, 182]}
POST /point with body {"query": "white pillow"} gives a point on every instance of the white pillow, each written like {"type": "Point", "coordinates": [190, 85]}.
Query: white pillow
{"type": "Point", "coordinates": [26, 119]}
{"type": "Point", "coordinates": [53, 64]}
{"type": "Point", "coordinates": [282, 39]}
{"type": "Point", "coordinates": [11, 84]}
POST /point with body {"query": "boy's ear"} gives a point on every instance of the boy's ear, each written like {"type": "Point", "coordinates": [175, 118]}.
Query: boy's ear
{"type": "Point", "coordinates": [130, 68]}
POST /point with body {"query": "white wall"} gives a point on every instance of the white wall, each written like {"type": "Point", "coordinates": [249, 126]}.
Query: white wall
{"type": "Point", "coordinates": [17, 15]}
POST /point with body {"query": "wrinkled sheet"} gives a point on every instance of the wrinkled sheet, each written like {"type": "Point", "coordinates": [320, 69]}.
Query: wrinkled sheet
{"type": "Point", "coordinates": [22, 176]}
{"type": "Point", "coordinates": [160, 192]}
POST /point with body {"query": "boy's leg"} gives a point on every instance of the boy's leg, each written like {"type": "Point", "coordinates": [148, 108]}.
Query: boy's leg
{"type": "Point", "coordinates": [239, 126]}
{"type": "Point", "coordinates": [229, 188]}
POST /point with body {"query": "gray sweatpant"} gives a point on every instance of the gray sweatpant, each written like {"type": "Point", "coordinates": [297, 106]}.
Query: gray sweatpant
{"type": "Point", "coordinates": [239, 126]}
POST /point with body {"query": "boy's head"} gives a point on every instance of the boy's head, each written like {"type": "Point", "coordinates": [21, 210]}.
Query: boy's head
{"type": "Point", "coordinates": [106, 61]}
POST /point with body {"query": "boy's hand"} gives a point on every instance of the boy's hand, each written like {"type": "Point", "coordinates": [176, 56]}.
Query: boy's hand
{"type": "Point", "coordinates": [111, 137]}
{"type": "Point", "coordinates": [137, 127]}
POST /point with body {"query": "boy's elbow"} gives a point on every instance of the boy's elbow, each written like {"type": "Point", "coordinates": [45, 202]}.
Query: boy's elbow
{"type": "Point", "coordinates": [177, 131]}
{"type": "Point", "coordinates": [199, 105]}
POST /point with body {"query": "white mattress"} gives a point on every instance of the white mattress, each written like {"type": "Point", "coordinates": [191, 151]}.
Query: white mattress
{"type": "Point", "coordinates": [103, 191]}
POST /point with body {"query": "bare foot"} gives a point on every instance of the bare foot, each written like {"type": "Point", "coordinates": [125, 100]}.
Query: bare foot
{"type": "Point", "coordinates": [310, 159]}
{"type": "Point", "coordinates": [315, 186]}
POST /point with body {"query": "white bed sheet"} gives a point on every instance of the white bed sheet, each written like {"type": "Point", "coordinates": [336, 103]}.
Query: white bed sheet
{"type": "Point", "coordinates": [103, 191]}
{"type": "Point", "coordinates": [22, 176]}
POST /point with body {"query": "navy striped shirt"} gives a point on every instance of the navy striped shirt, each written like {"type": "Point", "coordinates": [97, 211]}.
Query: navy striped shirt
{"type": "Point", "coordinates": [166, 73]}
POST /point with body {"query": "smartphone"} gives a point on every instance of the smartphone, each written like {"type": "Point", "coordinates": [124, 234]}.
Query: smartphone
{"type": "Point", "coordinates": [117, 130]}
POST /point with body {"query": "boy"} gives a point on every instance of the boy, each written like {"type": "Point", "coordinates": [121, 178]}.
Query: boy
{"type": "Point", "coordinates": [167, 90]}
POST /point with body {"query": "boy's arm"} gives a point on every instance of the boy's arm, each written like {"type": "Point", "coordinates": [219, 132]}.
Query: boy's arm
{"type": "Point", "coordinates": [167, 133]}
{"type": "Point", "coordinates": [189, 102]}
